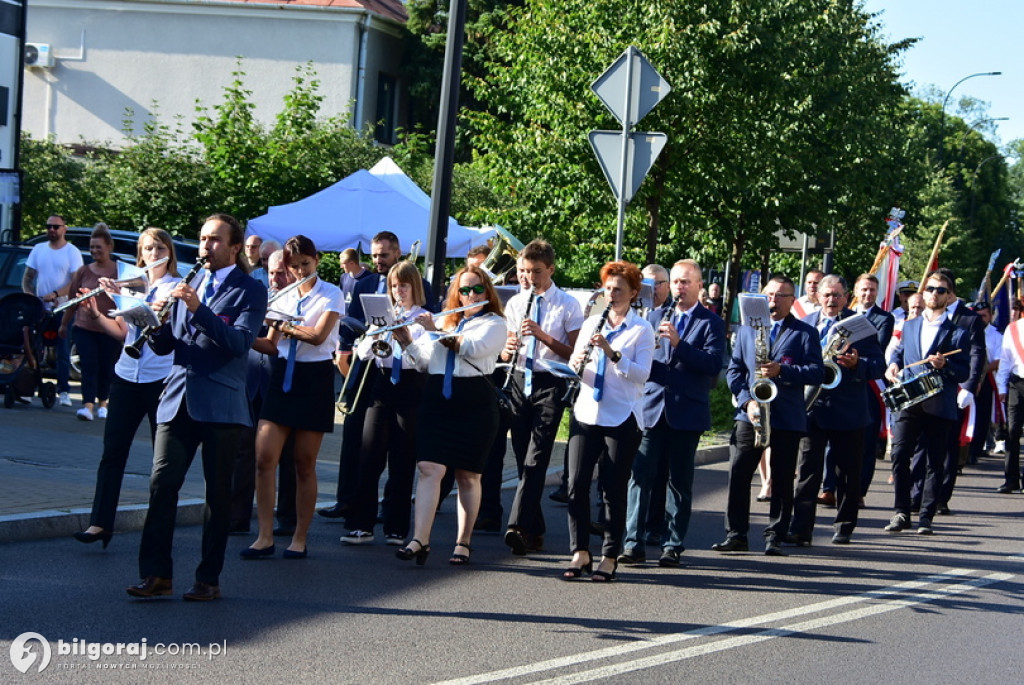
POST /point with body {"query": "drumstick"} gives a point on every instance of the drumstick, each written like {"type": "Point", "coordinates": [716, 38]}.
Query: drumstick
{"type": "Point", "coordinates": [925, 361]}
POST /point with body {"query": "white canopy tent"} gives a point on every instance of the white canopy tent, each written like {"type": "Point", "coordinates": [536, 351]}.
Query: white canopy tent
{"type": "Point", "coordinates": [353, 210]}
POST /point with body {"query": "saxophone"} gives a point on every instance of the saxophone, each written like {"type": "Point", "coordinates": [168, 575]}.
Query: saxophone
{"type": "Point", "coordinates": [764, 391]}
{"type": "Point", "coordinates": [837, 344]}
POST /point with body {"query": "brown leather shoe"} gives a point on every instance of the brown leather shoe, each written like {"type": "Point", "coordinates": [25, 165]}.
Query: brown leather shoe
{"type": "Point", "coordinates": [202, 592]}
{"type": "Point", "coordinates": [827, 498]}
{"type": "Point", "coordinates": [151, 586]}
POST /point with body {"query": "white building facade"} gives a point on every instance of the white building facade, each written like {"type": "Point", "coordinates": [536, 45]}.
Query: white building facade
{"type": "Point", "coordinates": [114, 56]}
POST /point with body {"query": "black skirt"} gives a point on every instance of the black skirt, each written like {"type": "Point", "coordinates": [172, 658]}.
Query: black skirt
{"type": "Point", "coordinates": [457, 432]}
{"type": "Point", "coordinates": [309, 405]}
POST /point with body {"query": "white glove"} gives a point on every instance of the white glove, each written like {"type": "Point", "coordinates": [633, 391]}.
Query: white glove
{"type": "Point", "coordinates": [964, 398]}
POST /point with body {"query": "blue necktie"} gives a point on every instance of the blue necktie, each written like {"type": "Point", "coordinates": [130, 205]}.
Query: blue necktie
{"type": "Point", "coordinates": [823, 336]}
{"type": "Point", "coordinates": [396, 362]}
{"type": "Point", "coordinates": [602, 363]}
{"type": "Point", "coordinates": [774, 333]}
{"type": "Point", "coordinates": [531, 351]}
{"type": "Point", "coordinates": [449, 366]}
{"type": "Point", "coordinates": [289, 369]}
{"type": "Point", "coordinates": [681, 324]}
{"type": "Point", "coordinates": [208, 292]}
{"type": "Point", "coordinates": [382, 285]}
{"type": "Point", "coordinates": [152, 295]}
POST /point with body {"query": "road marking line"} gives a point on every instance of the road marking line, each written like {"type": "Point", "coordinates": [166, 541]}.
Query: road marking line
{"type": "Point", "coordinates": [771, 633]}
{"type": "Point", "coordinates": [660, 641]}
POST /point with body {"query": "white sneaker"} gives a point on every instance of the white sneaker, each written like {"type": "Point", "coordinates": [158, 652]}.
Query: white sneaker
{"type": "Point", "coordinates": [101, 413]}
{"type": "Point", "coordinates": [357, 537]}
{"type": "Point", "coordinates": [64, 400]}
{"type": "Point", "coordinates": [84, 414]}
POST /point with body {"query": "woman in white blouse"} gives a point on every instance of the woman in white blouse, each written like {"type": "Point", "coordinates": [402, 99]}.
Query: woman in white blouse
{"type": "Point", "coordinates": [135, 390]}
{"type": "Point", "coordinates": [459, 415]}
{"type": "Point", "coordinates": [607, 418]}
{"type": "Point", "coordinates": [389, 430]}
{"type": "Point", "coordinates": [300, 400]}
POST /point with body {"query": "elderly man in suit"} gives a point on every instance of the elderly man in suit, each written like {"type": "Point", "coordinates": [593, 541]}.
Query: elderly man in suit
{"type": "Point", "coordinates": [687, 360]}
{"type": "Point", "coordinates": [836, 420]}
{"type": "Point", "coordinates": [929, 338]}
{"type": "Point", "coordinates": [794, 361]}
{"type": "Point", "coordinates": [210, 332]}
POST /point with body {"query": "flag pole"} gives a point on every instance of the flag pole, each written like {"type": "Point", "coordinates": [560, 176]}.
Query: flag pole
{"type": "Point", "coordinates": [934, 256]}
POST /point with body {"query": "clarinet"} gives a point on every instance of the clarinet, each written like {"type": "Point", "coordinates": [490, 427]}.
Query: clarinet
{"type": "Point", "coordinates": [135, 349]}
{"type": "Point", "coordinates": [667, 315]}
{"type": "Point", "coordinates": [515, 356]}
{"type": "Point", "coordinates": [573, 389]}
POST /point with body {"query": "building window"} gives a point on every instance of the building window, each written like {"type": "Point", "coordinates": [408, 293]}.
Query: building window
{"type": "Point", "coordinates": [387, 109]}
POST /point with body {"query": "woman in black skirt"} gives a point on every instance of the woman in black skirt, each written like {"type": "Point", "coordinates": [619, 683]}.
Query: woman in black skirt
{"type": "Point", "coordinates": [389, 430]}
{"type": "Point", "coordinates": [300, 401]}
{"type": "Point", "coordinates": [459, 415]}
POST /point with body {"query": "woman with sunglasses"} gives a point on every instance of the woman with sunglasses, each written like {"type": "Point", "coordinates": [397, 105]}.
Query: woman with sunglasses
{"type": "Point", "coordinates": [459, 415]}
{"type": "Point", "coordinates": [300, 400]}
{"type": "Point", "coordinates": [135, 390]}
{"type": "Point", "coordinates": [606, 423]}
{"type": "Point", "coordinates": [389, 430]}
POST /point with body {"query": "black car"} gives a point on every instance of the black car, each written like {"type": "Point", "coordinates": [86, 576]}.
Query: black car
{"type": "Point", "coordinates": [125, 243]}
{"type": "Point", "coordinates": [12, 268]}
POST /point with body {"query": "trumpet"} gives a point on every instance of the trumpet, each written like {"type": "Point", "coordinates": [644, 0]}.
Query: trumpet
{"type": "Point", "coordinates": [381, 348]}
{"type": "Point", "coordinates": [136, 283]}
{"type": "Point", "coordinates": [837, 344]}
{"type": "Point", "coordinates": [515, 357]}
{"type": "Point", "coordinates": [135, 349]}
{"type": "Point", "coordinates": [763, 390]}
{"type": "Point", "coordinates": [572, 390]}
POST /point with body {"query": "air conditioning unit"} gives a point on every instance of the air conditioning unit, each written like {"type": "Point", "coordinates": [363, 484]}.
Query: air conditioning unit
{"type": "Point", "coordinates": [38, 55]}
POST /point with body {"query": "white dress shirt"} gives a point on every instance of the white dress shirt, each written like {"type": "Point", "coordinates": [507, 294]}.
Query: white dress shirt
{"type": "Point", "coordinates": [560, 314]}
{"type": "Point", "coordinates": [364, 349]}
{"type": "Point", "coordinates": [323, 298]}
{"type": "Point", "coordinates": [483, 338]}
{"type": "Point", "coordinates": [1010, 361]}
{"type": "Point", "coordinates": [150, 366]}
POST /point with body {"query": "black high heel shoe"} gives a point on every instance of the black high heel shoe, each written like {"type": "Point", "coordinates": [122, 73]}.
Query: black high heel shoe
{"type": "Point", "coordinates": [87, 538]}
{"type": "Point", "coordinates": [460, 559]}
{"type": "Point", "coordinates": [574, 572]}
{"type": "Point", "coordinates": [599, 576]}
{"type": "Point", "coordinates": [420, 555]}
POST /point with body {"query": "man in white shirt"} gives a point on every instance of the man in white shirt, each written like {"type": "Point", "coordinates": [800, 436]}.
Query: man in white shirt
{"type": "Point", "coordinates": [808, 303]}
{"type": "Point", "coordinates": [48, 274]}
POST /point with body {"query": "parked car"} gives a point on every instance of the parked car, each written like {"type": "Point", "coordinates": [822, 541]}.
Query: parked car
{"type": "Point", "coordinates": [125, 243]}
{"type": "Point", "coordinates": [12, 268]}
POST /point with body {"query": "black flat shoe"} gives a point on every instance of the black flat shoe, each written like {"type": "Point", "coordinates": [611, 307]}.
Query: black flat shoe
{"type": "Point", "coordinates": [601, 576]}
{"type": "Point", "coordinates": [88, 538]}
{"type": "Point", "coordinates": [253, 553]}
{"type": "Point", "coordinates": [460, 559]}
{"type": "Point", "coordinates": [336, 512]}
{"type": "Point", "coordinates": [292, 554]}
{"type": "Point", "coordinates": [407, 553]}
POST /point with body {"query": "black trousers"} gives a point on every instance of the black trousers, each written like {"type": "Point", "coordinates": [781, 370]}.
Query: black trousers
{"type": "Point", "coordinates": [534, 429]}
{"type": "Point", "coordinates": [982, 417]}
{"type": "Point", "coordinates": [847, 450]}
{"type": "Point", "coordinates": [1015, 419]}
{"type": "Point", "coordinates": [613, 448]}
{"type": "Point", "coordinates": [743, 461]}
{"type": "Point", "coordinates": [352, 433]}
{"type": "Point", "coordinates": [175, 448]}
{"type": "Point", "coordinates": [911, 426]}
{"type": "Point", "coordinates": [130, 403]}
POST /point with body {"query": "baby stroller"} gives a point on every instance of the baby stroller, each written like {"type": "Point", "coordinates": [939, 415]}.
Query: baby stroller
{"type": "Point", "coordinates": [21, 348]}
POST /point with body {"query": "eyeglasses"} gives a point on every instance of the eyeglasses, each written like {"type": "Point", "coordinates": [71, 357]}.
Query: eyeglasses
{"type": "Point", "coordinates": [54, 226]}
{"type": "Point", "coordinates": [467, 289]}
{"type": "Point", "coordinates": [937, 289]}
{"type": "Point", "coordinates": [775, 296]}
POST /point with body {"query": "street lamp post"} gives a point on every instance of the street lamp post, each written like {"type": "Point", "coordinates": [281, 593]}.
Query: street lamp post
{"type": "Point", "coordinates": [942, 118]}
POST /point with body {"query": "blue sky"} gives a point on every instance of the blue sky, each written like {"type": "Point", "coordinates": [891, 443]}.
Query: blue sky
{"type": "Point", "coordinates": [961, 37]}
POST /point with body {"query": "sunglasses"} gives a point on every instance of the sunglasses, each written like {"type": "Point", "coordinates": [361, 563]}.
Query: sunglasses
{"type": "Point", "coordinates": [54, 226]}
{"type": "Point", "coordinates": [479, 289]}
{"type": "Point", "coordinates": [938, 289]}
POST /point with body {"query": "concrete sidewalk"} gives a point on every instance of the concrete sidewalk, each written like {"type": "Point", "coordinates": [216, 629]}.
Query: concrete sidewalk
{"type": "Point", "coordinates": [48, 461]}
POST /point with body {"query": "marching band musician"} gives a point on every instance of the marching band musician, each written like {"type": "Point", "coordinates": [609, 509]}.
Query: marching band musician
{"type": "Point", "coordinates": [300, 400]}
{"type": "Point", "coordinates": [677, 409]}
{"type": "Point", "coordinates": [547, 332]}
{"type": "Point", "coordinates": [836, 420]}
{"type": "Point", "coordinates": [135, 390]}
{"type": "Point", "coordinates": [458, 417]}
{"type": "Point", "coordinates": [795, 361]}
{"type": "Point", "coordinates": [932, 338]}
{"type": "Point", "coordinates": [613, 354]}
{"type": "Point", "coordinates": [389, 431]}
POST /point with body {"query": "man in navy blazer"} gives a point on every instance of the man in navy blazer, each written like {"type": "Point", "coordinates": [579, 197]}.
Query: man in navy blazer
{"type": "Point", "coordinates": [927, 338]}
{"type": "Point", "coordinates": [836, 420]}
{"type": "Point", "coordinates": [794, 361]}
{"type": "Point", "coordinates": [213, 326]}
{"type": "Point", "coordinates": [689, 355]}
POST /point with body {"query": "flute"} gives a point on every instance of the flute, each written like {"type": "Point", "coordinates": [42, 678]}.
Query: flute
{"type": "Point", "coordinates": [140, 280]}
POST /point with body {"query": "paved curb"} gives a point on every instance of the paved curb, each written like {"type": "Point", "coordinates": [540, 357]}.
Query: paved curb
{"type": "Point", "coordinates": [57, 523]}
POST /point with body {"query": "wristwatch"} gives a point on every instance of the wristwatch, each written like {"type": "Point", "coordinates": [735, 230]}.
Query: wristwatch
{"type": "Point", "coordinates": [616, 357]}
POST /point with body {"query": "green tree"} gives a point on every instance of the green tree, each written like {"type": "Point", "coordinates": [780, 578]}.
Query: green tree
{"type": "Point", "coordinates": [52, 184]}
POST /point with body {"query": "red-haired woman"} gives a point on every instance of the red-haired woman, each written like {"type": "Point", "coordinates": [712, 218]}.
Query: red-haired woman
{"type": "Point", "coordinates": [606, 423]}
{"type": "Point", "coordinates": [459, 416]}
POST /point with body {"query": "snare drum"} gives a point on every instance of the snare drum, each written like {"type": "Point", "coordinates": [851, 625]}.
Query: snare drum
{"type": "Point", "coordinates": [912, 391]}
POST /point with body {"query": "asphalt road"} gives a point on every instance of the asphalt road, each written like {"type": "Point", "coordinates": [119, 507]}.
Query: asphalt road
{"type": "Point", "coordinates": [944, 609]}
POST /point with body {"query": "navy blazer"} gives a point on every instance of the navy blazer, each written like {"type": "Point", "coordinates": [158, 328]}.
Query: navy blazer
{"type": "Point", "coordinates": [965, 318]}
{"type": "Point", "coordinates": [681, 379]}
{"type": "Point", "coordinates": [798, 351]}
{"type": "Point", "coordinates": [845, 407]}
{"type": "Point", "coordinates": [368, 285]}
{"type": "Point", "coordinates": [210, 362]}
{"type": "Point", "coordinates": [884, 322]}
{"type": "Point", "coordinates": [955, 371]}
